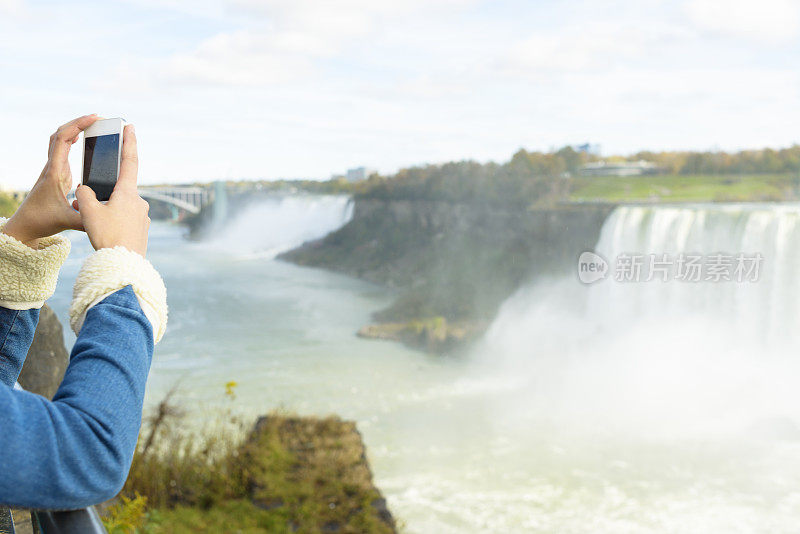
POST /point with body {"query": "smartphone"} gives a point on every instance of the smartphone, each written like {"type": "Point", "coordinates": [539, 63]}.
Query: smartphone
{"type": "Point", "coordinates": [102, 151]}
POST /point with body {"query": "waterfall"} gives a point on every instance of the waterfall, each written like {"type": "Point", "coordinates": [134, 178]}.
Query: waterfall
{"type": "Point", "coordinates": [273, 225]}
{"type": "Point", "coordinates": [663, 356]}
{"type": "Point", "coordinates": [764, 309]}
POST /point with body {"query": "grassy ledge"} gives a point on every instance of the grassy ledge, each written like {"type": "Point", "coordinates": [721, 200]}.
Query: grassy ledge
{"type": "Point", "coordinates": [287, 474]}
{"type": "Point", "coordinates": [686, 188]}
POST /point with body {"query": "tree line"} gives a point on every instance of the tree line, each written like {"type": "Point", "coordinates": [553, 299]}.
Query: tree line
{"type": "Point", "coordinates": [531, 177]}
{"type": "Point", "coordinates": [763, 161]}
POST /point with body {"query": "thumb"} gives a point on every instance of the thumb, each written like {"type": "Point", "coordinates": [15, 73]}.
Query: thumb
{"type": "Point", "coordinates": [87, 200]}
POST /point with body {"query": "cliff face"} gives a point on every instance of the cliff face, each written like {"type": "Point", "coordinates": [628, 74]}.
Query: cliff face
{"type": "Point", "coordinates": [457, 261]}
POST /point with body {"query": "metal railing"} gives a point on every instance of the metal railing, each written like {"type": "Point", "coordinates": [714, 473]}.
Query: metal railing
{"type": "Point", "coordinates": [86, 521]}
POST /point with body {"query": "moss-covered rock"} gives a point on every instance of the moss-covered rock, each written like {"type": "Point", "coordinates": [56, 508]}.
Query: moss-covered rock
{"type": "Point", "coordinates": [289, 474]}
{"type": "Point", "coordinates": [315, 472]}
{"type": "Point", "coordinates": [435, 334]}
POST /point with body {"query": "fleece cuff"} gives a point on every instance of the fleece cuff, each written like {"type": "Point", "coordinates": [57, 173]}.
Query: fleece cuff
{"type": "Point", "coordinates": [111, 269]}
{"type": "Point", "coordinates": [28, 275]}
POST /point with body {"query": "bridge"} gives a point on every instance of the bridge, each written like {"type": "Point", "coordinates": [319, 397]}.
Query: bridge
{"type": "Point", "coordinates": [181, 199]}
{"type": "Point", "coordinates": [190, 199]}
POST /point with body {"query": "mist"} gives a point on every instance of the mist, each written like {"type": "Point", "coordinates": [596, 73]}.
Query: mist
{"type": "Point", "coordinates": [674, 359]}
{"type": "Point", "coordinates": [268, 226]}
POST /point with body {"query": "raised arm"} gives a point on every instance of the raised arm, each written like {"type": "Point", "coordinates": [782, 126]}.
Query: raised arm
{"type": "Point", "coordinates": [76, 450]}
{"type": "Point", "coordinates": [30, 252]}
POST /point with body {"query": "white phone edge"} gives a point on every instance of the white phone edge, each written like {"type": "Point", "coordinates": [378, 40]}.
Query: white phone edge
{"type": "Point", "coordinates": [114, 125]}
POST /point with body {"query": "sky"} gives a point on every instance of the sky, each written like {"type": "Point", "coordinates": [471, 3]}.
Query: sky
{"type": "Point", "coordinates": [247, 89]}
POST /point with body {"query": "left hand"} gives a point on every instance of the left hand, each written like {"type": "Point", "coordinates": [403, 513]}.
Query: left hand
{"type": "Point", "coordinates": [45, 211]}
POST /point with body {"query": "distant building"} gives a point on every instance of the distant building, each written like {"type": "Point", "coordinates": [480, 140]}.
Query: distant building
{"type": "Point", "coordinates": [624, 168]}
{"type": "Point", "coordinates": [588, 148]}
{"type": "Point", "coordinates": [359, 173]}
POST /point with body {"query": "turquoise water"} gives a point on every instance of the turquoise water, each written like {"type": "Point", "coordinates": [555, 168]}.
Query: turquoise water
{"type": "Point", "coordinates": [583, 410]}
{"type": "Point", "coordinates": [286, 335]}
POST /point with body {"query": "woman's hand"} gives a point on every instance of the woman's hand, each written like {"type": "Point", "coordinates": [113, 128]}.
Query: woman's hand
{"type": "Point", "coordinates": [123, 220]}
{"type": "Point", "coordinates": [45, 211]}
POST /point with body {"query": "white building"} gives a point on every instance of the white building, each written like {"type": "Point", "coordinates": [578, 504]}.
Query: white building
{"type": "Point", "coordinates": [359, 173]}
{"type": "Point", "coordinates": [624, 168]}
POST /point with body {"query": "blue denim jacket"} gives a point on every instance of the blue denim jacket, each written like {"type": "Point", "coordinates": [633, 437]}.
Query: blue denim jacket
{"type": "Point", "coordinates": [75, 450]}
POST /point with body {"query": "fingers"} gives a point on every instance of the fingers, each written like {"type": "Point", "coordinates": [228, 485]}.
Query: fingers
{"type": "Point", "coordinates": [66, 135]}
{"type": "Point", "coordinates": [86, 199]}
{"type": "Point", "coordinates": [72, 219]}
{"type": "Point", "coordinates": [129, 162]}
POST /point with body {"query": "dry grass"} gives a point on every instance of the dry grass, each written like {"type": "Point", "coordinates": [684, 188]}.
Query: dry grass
{"type": "Point", "coordinates": [286, 474]}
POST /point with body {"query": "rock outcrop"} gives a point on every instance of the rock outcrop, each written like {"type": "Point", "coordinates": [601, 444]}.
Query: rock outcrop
{"type": "Point", "coordinates": [436, 335]}
{"type": "Point", "coordinates": [47, 358]}
{"type": "Point", "coordinates": [454, 261]}
{"type": "Point", "coordinates": [314, 471]}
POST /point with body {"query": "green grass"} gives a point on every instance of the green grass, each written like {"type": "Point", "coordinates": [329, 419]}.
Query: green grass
{"type": "Point", "coordinates": [679, 188]}
{"type": "Point", "coordinates": [8, 205]}
{"type": "Point", "coordinates": [286, 474]}
{"type": "Point", "coordinates": [237, 515]}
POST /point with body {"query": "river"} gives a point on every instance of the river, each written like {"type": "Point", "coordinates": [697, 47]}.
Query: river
{"type": "Point", "coordinates": [640, 407]}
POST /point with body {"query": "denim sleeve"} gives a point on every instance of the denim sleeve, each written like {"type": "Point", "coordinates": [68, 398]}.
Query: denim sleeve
{"type": "Point", "coordinates": [16, 334]}
{"type": "Point", "coordinates": [76, 450]}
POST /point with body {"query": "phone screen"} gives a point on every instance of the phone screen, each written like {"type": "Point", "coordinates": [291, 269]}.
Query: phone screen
{"type": "Point", "coordinates": [100, 160]}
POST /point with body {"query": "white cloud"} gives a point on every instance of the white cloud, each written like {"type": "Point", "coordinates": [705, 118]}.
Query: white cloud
{"type": "Point", "coordinates": [11, 7]}
{"type": "Point", "coordinates": [243, 58]}
{"type": "Point", "coordinates": [591, 47]}
{"type": "Point", "coordinates": [770, 21]}
{"type": "Point", "coordinates": [587, 49]}
{"type": "Point", "coordinates": [283, 39]}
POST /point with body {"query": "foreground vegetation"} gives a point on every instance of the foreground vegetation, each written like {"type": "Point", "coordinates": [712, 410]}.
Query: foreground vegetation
{"type": "Point", "coordinates": [286, 474]}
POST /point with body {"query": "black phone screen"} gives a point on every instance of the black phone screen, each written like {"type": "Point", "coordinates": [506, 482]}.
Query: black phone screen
{"type": "Point", "coordinates": [100, 161]}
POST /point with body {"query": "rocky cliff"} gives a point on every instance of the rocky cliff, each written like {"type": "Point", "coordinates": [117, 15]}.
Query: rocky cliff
{"type": "Point", "coordinates": [323, 483]}
{"type": "Point", "coordinates": [47, 357]}
{"type": "Point", "coordinates": [454, 261]}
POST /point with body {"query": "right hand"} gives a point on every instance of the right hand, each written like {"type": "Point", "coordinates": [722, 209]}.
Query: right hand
{"type": "Point", "coordinates": [123, 220]}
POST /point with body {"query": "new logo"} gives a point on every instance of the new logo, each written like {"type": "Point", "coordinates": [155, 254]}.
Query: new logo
{"type": "Point", "coordinates": [591, 267]}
